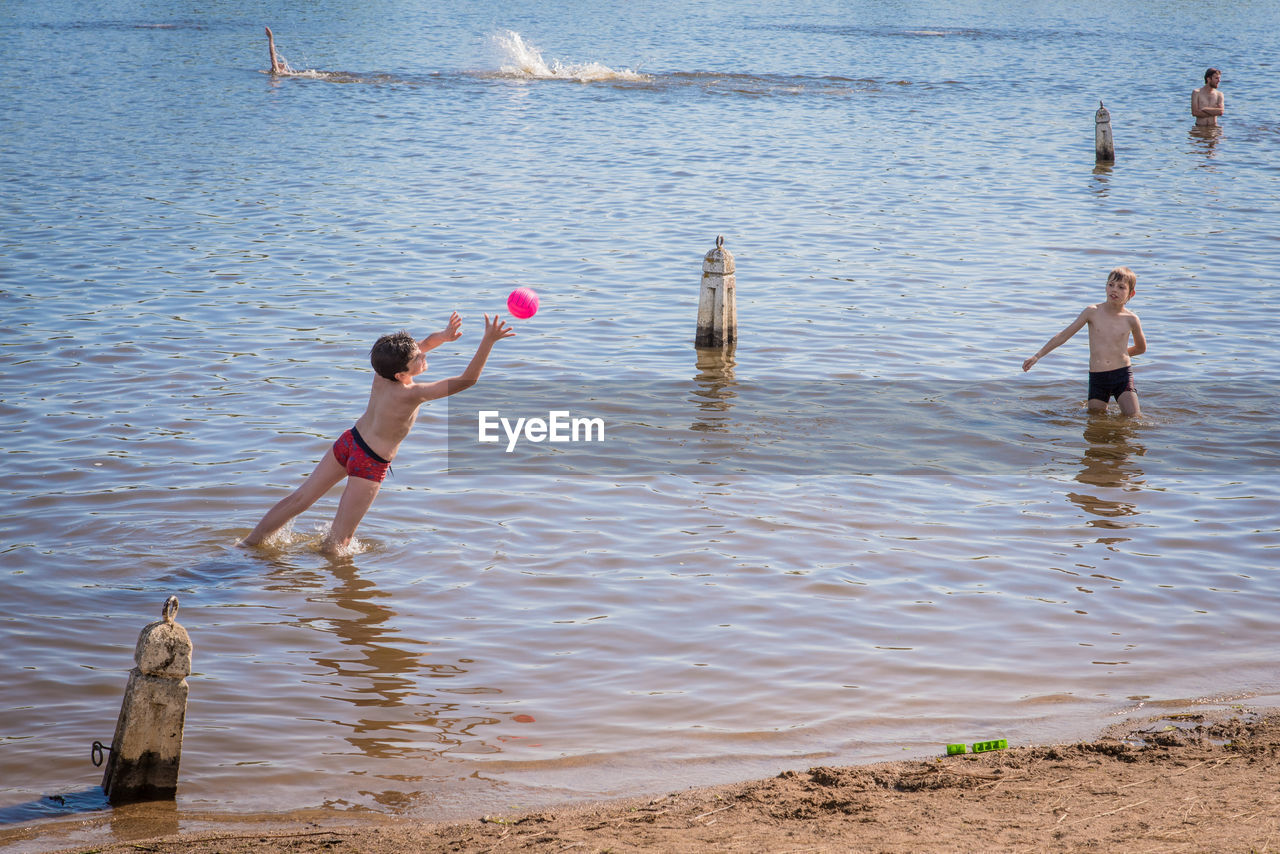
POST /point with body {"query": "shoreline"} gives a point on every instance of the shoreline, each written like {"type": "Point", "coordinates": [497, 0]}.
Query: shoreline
{"type": "Point", "coordinates": [1201, 781]}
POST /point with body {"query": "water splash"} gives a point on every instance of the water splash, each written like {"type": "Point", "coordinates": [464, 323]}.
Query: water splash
{"type": "Point", "coordinates": [287, 70]}
{"type": "Point", "coordinates": [316, 540]}
{"type": "Point", "coordinates": [523, 60]}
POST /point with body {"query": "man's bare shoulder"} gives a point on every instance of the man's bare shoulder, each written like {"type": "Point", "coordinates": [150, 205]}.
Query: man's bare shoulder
{"type": "Point", "coordinates": [1208, 96]}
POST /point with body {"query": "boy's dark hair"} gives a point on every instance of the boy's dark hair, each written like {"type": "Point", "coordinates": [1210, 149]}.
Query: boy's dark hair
{"type": "Point", "coordinates": [391, 354]}
{"type": "Point", "coordinates": [1124, 276]}
{"type": "Point", "coordinates": [1210, 73]}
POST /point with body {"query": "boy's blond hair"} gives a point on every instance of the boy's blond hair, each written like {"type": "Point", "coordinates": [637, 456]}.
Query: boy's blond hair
{"type": "Point", "coordinates": [1125, 276]}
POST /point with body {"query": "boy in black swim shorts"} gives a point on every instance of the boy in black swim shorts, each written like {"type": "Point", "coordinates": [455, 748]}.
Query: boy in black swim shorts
{"type": "Point", "coordinates": [1104, 385]}
{"type": "Point", "coordinates": [1110, 325]}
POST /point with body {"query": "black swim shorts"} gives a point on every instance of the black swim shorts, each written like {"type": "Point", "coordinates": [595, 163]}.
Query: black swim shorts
{"type": "Point", "coordinates": [1103, 385]}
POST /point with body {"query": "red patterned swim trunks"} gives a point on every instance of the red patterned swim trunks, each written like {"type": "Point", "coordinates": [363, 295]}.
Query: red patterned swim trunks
{"type": "Point", "coordinates": [358, 458]}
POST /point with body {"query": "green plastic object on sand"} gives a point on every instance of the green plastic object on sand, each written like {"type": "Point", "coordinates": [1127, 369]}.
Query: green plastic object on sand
{"type": "Point", "coordinates": [955, 749]}
{"type": "Point", "coordinates": [984, 746]}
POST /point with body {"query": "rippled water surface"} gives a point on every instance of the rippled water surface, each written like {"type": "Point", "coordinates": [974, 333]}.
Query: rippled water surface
{"type": "Point", "coordinates": [862, 535]}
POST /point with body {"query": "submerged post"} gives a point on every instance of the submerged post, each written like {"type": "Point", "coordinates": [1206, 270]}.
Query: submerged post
{"type": "Point", "coordinates": [1104, 145]}
{"type": "Point", "coordinates": [717, 303]}
{"type": "Point", "coordinates": [148, 743]}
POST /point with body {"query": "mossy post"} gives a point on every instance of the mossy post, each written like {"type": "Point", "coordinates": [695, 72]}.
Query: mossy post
{"type": "Point", "coordinates": [717, 304]}
{"type": "Point", "coordinates": [146, 750]}
{"type": "Point", "coordinates": [1102, 141]}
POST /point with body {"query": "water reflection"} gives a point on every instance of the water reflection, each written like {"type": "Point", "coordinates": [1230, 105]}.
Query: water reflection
{"type": "Point", "coordinates": [383, 677]}
{"type": "Point", "coordinates": [1205, 140]}
{"type": "Point", "coordinates": [144, 820]}
{"type": "Point", "coordinates": [382, 665]}
{"type": "Point", "coordinates": [715, 389]}
{"type": "Point", "coordinates": [1108, 462]}
{"type": "Point", "coordinates": [1102, 179]}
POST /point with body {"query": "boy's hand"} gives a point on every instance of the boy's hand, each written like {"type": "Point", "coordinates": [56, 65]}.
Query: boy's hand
{"type": "Point", "coordinates": [495, 329]}
{"type": "Point", "coordinates": [1026, 366]}
{"type": "Point", "coordinates": [451, 332]}
{"type": "Point", "coordinates": [453, 329]}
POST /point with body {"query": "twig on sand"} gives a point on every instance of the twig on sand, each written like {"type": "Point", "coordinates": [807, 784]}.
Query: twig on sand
{"type": "Point", "coordinates": [713, 812]}
{"type": "Point", "coordinates": [1175, 773]}
{"type": "Point", "coordinates": [494, 847]}
{"type": "Point", "coordinates": [1111, 812]}
{"type": "Point", "coordinates": [993, 783]}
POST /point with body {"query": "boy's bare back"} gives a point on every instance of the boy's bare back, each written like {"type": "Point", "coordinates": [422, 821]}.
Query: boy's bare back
{"type": "Point", "coordinates": [390, 415]}
{"type": "Point", "coordinates": [394, 403]}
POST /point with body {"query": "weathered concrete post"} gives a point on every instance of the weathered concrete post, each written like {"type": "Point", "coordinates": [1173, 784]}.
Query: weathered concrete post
{"type": "Point", "coordinates": [1102, 142]}
{"type": "Point", "coordinates": [148, 743]}
{"type": "Point", "coordinates": [717, 304]}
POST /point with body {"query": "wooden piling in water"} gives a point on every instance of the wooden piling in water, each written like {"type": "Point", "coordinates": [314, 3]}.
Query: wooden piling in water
{"type": "Point", "coordinates": [147, 747]}
{"type": "Point", "coordinates": [1102, 141]}
{"type": "Point", "coordinates": [717, 302]}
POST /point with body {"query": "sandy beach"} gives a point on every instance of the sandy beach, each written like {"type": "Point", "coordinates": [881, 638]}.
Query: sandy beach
{"type": "Point", "coordinates": [1177, 783]}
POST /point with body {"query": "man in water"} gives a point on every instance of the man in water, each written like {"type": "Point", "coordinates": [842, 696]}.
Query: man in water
{"type": "Point", "coordinates": [1207, 103]}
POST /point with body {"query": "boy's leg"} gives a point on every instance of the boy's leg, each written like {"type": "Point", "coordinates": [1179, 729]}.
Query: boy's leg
{"type": "Point", "coordinates": [326, 475]}
{"type": "Point", "coordinates": [1129, 403]}
{"type": "Point", "coordinates": [1098, 394]}
{"type": "Point", "coordinates": [356, 500]}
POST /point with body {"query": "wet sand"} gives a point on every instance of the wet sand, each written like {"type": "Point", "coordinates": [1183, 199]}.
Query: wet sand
{"type": "Point", "coordinates": [1187, 782]}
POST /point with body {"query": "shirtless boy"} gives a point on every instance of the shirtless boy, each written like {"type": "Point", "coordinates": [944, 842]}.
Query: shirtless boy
{"type": "Point", "coordinates": [1110, 325]}
{"type": "Point", "coordinates": [364, 453]}
{"type": "Point", "coordinates": [1207, 103]}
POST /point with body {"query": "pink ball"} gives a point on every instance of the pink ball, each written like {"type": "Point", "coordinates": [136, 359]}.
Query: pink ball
{"type": "Point", "coordinates": [523, 303]}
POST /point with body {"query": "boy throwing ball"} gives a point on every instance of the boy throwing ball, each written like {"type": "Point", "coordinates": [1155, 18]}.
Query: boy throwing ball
{"type": "Point", "coordinates": [1110, 325]}
{"type": "Point", "coordinates": [364, 453]}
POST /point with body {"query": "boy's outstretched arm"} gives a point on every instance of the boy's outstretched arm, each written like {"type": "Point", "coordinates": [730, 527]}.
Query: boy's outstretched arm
{"type": "Point", "coordinates": [494, 331]}
{"type": "Point", "coordinates": [451, 332]}
{"type": "Point", "coordinates": [1061, 338]}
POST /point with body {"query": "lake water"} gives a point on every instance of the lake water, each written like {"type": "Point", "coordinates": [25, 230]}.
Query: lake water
{"type": "Point", "coordinates": [862, 535]}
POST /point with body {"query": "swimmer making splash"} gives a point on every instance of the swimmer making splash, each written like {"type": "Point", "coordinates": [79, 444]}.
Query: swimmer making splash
{"type": "Point", "coordinates": [278, 65]}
